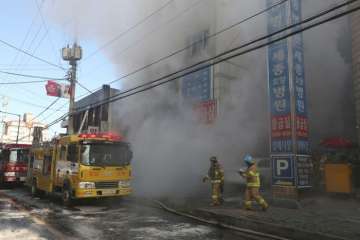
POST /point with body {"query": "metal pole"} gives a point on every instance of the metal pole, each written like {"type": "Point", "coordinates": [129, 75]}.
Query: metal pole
{"type": "Point", "coordinates": [18, 129]}
{"type": "Point", "coordinates": [72, 55]}
{"type": "Point", "coordinates": [72, 96]}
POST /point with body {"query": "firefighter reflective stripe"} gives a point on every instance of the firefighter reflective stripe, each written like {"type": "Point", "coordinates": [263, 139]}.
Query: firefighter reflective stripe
{"type": "Point", "coordinates": [216, 195]}
{"type": "Point", "coordinates": [221, 172]}
{"type": "Point", "coordinates": [253, 179]}
{"type": "Point", "coordinates": [216, 181]}
{"type": "Point", "coordinates": [216, 174]}
{"type": "Point", "coordinates": [247, 205]}
{"type": "Point", "coordinates": [261, 202]}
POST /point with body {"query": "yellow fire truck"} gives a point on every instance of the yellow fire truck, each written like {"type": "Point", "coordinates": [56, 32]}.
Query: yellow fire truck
{"type": "Point", "coordinates": [81, 166]}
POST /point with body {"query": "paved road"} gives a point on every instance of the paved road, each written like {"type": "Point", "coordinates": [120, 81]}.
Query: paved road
{"type": "Point", "coordinates": [17, 223]}
{"type": "Point", "coordinates": [126, 219]}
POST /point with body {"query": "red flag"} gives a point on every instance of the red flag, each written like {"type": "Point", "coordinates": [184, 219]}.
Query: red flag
{"type": "Point", "coordinates": [52, 89]}
{"type": "Point", "coordinates": [57, 90]}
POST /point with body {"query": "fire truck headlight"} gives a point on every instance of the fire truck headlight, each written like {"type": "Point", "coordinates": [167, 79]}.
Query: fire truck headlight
{"type": "Point", "coordinates": [124, 184]}
{"type": "Point", "coordinates": [9, 174]}
{"type": "Point", "coordinates": [86, 185]}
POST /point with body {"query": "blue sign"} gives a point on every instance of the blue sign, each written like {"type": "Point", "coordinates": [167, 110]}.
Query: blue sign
{"type": "Point", "coordinates": [279, 87]}
{"type": "Point", "coordinates": [289, 121]}
{"type": "Point", "coordinates": [279, 79]}
{"type": "Point", "coordinates": [298, 62]}
{"type": "Point", "coordinates": [197, 86]}
{"type": "Point", "coordinates": [283, 170]}
{"type": "Point", "coordinates": [302, 123]}
{"type": "Point", "coordinates": [277, 18]}
{"type": "Point", "coordinates": [281, 146]}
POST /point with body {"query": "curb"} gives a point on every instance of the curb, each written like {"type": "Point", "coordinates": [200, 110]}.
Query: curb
{"type": "Point", "coordinates": [270, 228]}
{"type": "Point", "coordinates": [247, 232]}
{"type": "Point", "coordinates": [250, 226]}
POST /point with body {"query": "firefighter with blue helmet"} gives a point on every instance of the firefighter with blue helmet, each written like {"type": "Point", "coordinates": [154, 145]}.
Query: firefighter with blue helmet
{"type": "Point", "coordinates": [216, 177]}
{"type": "Point", "coordinates": [252, 177]}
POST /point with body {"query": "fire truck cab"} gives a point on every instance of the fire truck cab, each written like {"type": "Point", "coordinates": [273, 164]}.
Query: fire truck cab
{"type": "Point", "coordinates": [81, 166]}
{"type": "Point", "coordinates": [13, 163]}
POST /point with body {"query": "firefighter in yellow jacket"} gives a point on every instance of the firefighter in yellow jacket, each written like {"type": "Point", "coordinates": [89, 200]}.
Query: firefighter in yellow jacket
{"type": "Point", "coordinates": [216, 177]}
{"type": "Point", "coordinates": [252, 184]}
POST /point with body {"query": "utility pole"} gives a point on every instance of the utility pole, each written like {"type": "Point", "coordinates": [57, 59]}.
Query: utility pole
{"type": "Point", "coordinates": [72, 55]}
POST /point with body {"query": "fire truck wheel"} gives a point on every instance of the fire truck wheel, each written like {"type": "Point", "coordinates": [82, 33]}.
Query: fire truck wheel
{"type": "Point", "coordinates": [66, 196]}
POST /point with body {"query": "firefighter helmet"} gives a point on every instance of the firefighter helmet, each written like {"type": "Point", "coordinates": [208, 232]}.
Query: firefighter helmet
{"type": "Point", "coordinates": [248, 159]}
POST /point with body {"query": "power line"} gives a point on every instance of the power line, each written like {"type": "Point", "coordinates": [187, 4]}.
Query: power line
{"type": "Point", "coordinates": [196, 42]}
{"type": "Point", "coordinates": [25, 38]}
{"type": "Point", "coordinates": [16, 66]}
{"type": "Point", "coordinates": [31, 76]}
{"type": "Point", "coordinates": [31, 55]}
{"type": "Point", "coordinates": [26, 103]}
{"type": "Point", "coordinates": [61, 107]}
{"type": "Point", "coordinates": [82, 86]}
{"type": "Point", "coordinates": [25, 82]}
{"type": "Point", "coordinates": [265, 37]}
{"type": "Point", "coordinates": [55, 111]}
{"type": "Point", "coordinates": [133, 44]}
{"type": "Point", "coordinates": [45, 26]}
{"type": "Point", "coordinates": [261, 45]}
{"type": "Point", "coordinates": [108, 43]}
{"type": "Point", "coordinates": [34, 51]}
{"type": "Point", "coordinates": [47, 108]}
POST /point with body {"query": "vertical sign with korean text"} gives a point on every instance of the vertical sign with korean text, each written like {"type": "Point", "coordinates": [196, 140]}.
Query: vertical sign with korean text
{"type": "Point", "coordinates": [206, 111]}
{"type": "Point", "coordinates": [289, 120]}
{"type": "Point", "coordinates": [298, 73]}
{"type": "Point", "coordinates": [279, 88]}
{"type": "Point", "coordinates": [197, 86]}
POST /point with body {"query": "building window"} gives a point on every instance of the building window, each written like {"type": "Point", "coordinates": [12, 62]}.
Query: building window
{"type": "Point", "coordinates": [199, 43]}
{"type": "Point", "coordinates": [105, 112]}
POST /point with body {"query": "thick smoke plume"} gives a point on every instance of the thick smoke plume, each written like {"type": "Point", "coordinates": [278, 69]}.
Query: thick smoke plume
{"type": "Point", "coordinates": [171, 148]}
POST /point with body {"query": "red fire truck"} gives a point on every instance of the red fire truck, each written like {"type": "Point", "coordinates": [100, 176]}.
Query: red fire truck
{"type": "Point", "coordinates": [13, 163]}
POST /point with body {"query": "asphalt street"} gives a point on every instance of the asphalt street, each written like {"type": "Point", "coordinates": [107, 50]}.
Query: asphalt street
{"type": "Point", "coordinates": [23, 217]}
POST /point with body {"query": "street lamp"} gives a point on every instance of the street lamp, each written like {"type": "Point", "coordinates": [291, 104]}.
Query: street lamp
{"type": "Point", "coordinates": [18, 129]}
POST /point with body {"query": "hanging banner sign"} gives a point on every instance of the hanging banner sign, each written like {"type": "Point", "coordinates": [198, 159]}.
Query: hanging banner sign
{"type": "Point", "coordinates": [291, 164]}
{"type": "Point", "coordinates": [298, 72]}
{"type": "Point", "coordinates": [197, 86]}
{"type": "Point", "coordinates": [206, 111]}
{"type": "Point", "coordinates": [55, 89]}
{"type": "Point", "coordinates": [279, 87]}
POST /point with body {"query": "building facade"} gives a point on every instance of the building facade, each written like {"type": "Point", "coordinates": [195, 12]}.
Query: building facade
{"type": "Point", "coordinates": [99, 118]}
{"type": "Point", "coordinates": [21, 131]}
{"type": "Point", "coordinates": [355, 40]}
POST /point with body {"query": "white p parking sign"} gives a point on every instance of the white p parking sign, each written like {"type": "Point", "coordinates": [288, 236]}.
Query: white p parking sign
{"type": "Point", "coordinates": [283, 170]}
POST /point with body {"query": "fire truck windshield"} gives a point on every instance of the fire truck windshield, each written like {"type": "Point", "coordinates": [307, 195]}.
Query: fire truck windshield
{"type": "Point", "coordinates": [19, 156]}
{"type": "Point", "coordinates": [105, 154]}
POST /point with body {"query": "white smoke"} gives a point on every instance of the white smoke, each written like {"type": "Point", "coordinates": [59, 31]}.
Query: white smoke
{"type": "Point", "coordinates": [171, 149]}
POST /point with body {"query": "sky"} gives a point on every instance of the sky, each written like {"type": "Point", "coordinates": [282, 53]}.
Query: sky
{"type": "Point", "coordinates": [23, 26]}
